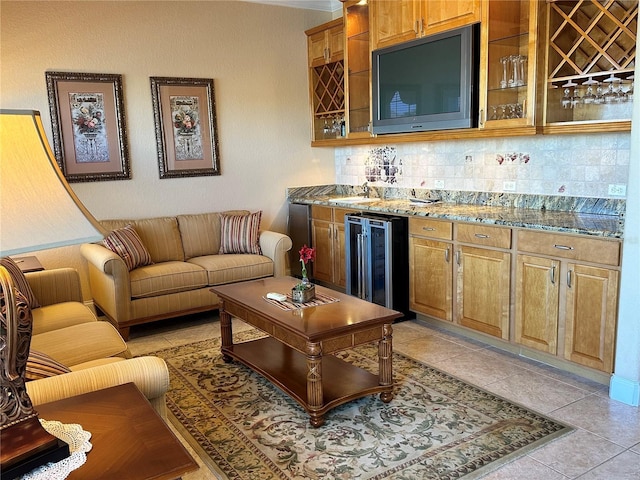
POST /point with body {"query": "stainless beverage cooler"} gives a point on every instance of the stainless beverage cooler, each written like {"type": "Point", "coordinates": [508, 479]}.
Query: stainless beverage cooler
{"type": "Point", "coordinates": [377, 259]}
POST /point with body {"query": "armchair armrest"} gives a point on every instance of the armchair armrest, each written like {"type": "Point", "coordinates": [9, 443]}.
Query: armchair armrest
{"type": "Point", "coordinates": [275, 246]}
{"type": "Point", "coordinates": [150, 374]}
{"type": "Point", "coordinates": [55, 286]}
{"type": "Point", "coordinates": [110, 281]}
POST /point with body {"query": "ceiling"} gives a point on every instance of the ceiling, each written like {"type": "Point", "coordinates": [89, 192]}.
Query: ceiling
{"type": "Point", "coordinates": [322, 5]}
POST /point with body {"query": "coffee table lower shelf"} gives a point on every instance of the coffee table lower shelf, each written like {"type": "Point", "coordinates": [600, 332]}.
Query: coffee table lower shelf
{"type": "Point", "coordinates": [288, 370]}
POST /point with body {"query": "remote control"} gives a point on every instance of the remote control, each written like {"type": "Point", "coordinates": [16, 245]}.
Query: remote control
{"type": "Point", "coordinates": [276, 296]}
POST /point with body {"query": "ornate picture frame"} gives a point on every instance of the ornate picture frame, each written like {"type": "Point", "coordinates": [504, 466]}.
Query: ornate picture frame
{"type": "Point", "coordinates": [88, 126]}
{"type": "Point", "coordinates": [185, 123]}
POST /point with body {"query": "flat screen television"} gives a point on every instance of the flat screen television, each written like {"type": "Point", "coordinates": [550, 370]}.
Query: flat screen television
{"type": "Point", "coordinates": [427, 84]}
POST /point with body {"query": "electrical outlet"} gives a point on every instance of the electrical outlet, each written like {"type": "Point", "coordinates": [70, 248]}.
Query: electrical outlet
{"type": "Point", "coordinates": [438, 184]}
{"type": "Point", "coordinates": [509, 186]}
{"type": "Point", "coordinates": [617, 190]}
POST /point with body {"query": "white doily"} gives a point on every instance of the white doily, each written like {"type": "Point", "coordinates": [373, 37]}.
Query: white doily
{"type": "Point", "coordinates": [79, 445]}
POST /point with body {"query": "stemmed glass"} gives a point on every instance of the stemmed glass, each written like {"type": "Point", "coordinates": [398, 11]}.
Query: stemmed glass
{"type": "Point", "coordinates": [505, 63]}
{"type": "Point", "coordinates": [589, 96]}
{"type": "Point", "coordinates": [613, 92]}
{"type": "Point", "coordinates": [567, 98]}
{"type": "Point", "coordinates": [630, 90]}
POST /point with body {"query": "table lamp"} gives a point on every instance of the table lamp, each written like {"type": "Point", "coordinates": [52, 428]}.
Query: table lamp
{"type": "Point", "coordinates": [38, 211]}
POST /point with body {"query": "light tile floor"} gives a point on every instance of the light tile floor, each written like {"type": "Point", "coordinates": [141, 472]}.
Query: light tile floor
{"type": "Point", "coordinates": [605, 445]}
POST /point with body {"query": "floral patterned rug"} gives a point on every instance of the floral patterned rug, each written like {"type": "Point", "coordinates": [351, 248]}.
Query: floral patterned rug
{"type": "Point", "coordinates": [436, 427]}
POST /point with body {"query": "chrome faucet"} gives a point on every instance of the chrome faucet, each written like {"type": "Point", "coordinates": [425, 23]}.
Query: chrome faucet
{"type": "Point", "coordinates": [365, 189]}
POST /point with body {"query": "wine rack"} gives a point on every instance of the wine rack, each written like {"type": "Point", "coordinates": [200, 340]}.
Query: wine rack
{"type": "Point", "coordinates": [328, 99]}
{"type": "Point", "coordinates": [591, 49]}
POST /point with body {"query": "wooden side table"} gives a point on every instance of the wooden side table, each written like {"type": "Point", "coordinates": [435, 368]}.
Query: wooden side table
{"type": "Point", "coordinates": [130, 440]}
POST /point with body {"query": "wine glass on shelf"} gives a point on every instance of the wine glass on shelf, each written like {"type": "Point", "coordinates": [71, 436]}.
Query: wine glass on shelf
{"type": "Point", "coordinates": [589, 97]}
{"type": "Point", "coordinates": [521, 70]}
{"type": "Point", "coordinates": [629, 92]}
{"type": "Point", "coordinates": [505, 71]}
{"type": "Point", "coordinates": [567, 98]}
{"type": "Point", "coordinates": [611, 95]}
{"type": "Point", "coordinates": [513, 81]}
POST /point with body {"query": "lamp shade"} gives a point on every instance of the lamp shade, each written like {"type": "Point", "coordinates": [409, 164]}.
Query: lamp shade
{"type": "Point", "coordinates": [38, 209]}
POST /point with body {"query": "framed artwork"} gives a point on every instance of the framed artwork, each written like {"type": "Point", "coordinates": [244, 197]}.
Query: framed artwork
{"type": "Point", "coordinates": [88, 126]}
{"type": "Point", "coordinates": [185, 123]}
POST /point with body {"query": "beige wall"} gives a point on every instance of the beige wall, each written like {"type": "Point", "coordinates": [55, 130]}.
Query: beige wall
{"type": "Point", "coordinates": [256, 55]}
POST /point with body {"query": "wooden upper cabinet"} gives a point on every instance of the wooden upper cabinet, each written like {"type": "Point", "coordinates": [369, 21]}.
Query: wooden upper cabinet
{"type": "Point", "coordinates": [397, 21]}
{"type": "Point", "coordinates": [441, 15]}
{"type": "Point", "coordinates": [392, 22]}
{"type": "Point", "coordinates": [326, 43]}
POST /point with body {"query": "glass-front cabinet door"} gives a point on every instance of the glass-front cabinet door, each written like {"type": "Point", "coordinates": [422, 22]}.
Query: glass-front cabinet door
{"type": "Point", "coordinates": [358, 66]}
{"type": "Point", "coordinates": [508, 63]}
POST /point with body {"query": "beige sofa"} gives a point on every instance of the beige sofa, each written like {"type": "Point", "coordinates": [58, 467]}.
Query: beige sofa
{"type": "Point", "coordinates": [67, 331]}
{"type": "Point", "coordinates": [186, 264]}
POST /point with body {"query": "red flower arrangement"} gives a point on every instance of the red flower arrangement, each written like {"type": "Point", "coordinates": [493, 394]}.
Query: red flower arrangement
{"type": "Point", "coordinates": [307, 254]}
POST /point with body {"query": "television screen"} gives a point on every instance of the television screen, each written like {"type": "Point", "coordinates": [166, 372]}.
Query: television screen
{"type": "Point", "coordinates": [427, 84]}
{"type": "Point", "coordinates": [421, 80]}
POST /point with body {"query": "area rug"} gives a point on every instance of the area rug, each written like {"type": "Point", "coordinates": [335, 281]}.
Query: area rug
{"type": "Point", "coordinates": [436, 426]}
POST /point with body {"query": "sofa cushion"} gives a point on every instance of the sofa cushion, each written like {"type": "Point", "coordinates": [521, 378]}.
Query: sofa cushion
{"type": "Point", "coordinates": [127, 244]}
{"type": "Point", "coordinates": [160, 236]}
{"type": "Point", "coordinates": [40, 365]}
{"type": "Point", "coordinates": [166, 277]}
{"type": "Point", "coordinates": [19, 281]}
{"type": "Point", "coordinates": [230, 268]}
{"type": "Point", "coordinates": [81, 343]}
{"type": "Point", "coordinates": [60, 315]}
{"type": "Point", "coordinates": [240, 233]}
{"type": "Point", "coordinates": [201, 232]}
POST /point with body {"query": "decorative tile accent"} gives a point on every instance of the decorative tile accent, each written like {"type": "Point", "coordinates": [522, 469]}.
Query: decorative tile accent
{"type": "Point", "coordinates": [576, 165]}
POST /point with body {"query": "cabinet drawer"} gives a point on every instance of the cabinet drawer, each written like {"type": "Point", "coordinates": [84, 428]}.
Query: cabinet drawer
{"type": "Point", "coordinates": [484, 235]}
{"type": "Point", "coordinates": [585, 249]}
{"type": "Point", "coordinates": [431, 228]}
{"type": "Point", "coordinates": [318, 212]}
{"type": "Point", "coordinates": [339, 213]}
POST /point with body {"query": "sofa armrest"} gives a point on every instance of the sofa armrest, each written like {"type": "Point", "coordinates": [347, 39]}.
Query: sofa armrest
{"type": "Point", "coordinates": [109, 280]}
{"type": "Point", "coordinates": [150, 374]}
{"type": "Point", "coordinates": [55, 286]}
{"type": "Point", "coordinates": [275, 246]}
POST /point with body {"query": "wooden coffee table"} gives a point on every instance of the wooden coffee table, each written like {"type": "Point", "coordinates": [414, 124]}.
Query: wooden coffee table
{"type": "Point", "coordinates": [130, 440]}
{"type": "Point", "coordinates": [296, 355]}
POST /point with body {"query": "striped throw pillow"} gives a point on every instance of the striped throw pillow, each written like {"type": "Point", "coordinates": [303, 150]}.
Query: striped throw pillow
{"type": "Point", "coordinates": [240, 233]}
{"type": "Point", "coordinates": [127, 244]}
{"type": "Point", "coordinates": [41, 365]}
{"type": "Point", "coordinates": [20, 281]}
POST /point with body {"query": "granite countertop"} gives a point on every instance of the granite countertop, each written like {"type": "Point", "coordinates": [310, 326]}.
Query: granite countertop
{"type": "Point", "coordinates": [585, 223]}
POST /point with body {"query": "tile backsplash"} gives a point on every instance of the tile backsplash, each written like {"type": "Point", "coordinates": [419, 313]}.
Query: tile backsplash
{"type": "Point", "coordinates": [576, 165]}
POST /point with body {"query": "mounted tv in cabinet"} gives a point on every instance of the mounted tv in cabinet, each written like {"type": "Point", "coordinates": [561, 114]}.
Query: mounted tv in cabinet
{"type": "Point", "coordinates": [427, 84]}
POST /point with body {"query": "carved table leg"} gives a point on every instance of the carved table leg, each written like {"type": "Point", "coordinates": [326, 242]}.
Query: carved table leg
{"type": "Point", "coordinates": [385, 362]}
{"type": "Point", "coordinates": [226, 332]}
{"type": "Point", "coordinates": [314, 383]}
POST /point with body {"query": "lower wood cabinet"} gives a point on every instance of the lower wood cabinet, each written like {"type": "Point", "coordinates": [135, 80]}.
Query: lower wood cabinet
{"type": "Point", "coordinates": [327, 231]}
{"type": "Point", "coordinates": [483, 290]}
{"type": "Point", "coordinates": [554, 293]}
{"type": "Point", "coordinates": [566, 307]}
{"type": "Point", "coordinates": [430, 277]}
{"type": "Point", "coordinates": [480, 277]}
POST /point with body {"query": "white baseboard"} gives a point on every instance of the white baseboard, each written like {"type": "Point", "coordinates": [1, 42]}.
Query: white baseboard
{"type": "Point", "coordinates": [624, 390]}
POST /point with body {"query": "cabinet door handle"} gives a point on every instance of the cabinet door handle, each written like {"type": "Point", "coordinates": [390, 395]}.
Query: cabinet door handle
{"type": "Point", "coordinates": [481, 235]}
{"type": "Point", "coordinates": [417, 29]}
{"type": "Point", "coordinates": [446, 255]}
{"type": "Point", "coordinates": [553, 274]}
{"type": "Point", "coordinates": [428, 229]}
{"type": "Point", "coordinates": [422, 26]}
{"type": "Point", "coordinates": [569, 278]}
{"type": "Point", "coordinates": [563, 247]}
{"type": "Point", "coordinates": [458, 257]}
